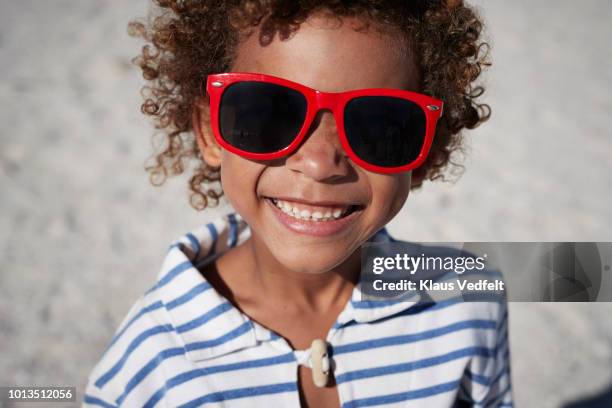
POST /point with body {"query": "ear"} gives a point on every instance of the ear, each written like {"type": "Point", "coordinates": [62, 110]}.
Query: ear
{"type": "Point", "coordinates": [209, 148]}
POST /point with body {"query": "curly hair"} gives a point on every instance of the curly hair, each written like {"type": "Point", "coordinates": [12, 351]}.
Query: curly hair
{"type": "Point", "coordinates": [188, 39]}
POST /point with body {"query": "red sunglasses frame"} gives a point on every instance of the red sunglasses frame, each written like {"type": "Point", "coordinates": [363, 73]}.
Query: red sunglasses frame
{"type": "Point", "coordinates": [317, 100]}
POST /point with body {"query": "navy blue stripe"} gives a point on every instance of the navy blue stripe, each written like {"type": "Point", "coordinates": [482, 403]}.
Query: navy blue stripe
{"type": "Point", "coordinates": [177, 270]}
{"type": "Point", "coordinates": [477, 378]}
{"type": "Point", "coordinates": [502, 328]}
{"type": "Point", "coordinates": [414, 337]}
{"type": "Point", "coordinates": [237, 332]}
{"type": "Point", "coordinates": [499, 397]}
{"type": "Point", "coordinates": [150, 366]}
{"type": "Point", "coordinates": [412, 310]}
{"type": "Point", "coordinates": [503, 320]}
{"type": "Point", "coordinates": [195, 245]}
{"type": "Point", "coordinates": [402, 396]}
{"type": "Point", "coordinates": [178, 245]}
{"type": "Point", "coordinates": [142, 311]}
{"type": "Point", "coordinates": [206, 317]}
{"type": "Point", "coordinates": [193, 292]}
{"type": "Point", "coordinates": [133, 345]}
{"type": "Point", "coordinates": [503, 371]}
{"type": "Point", "coordinates": [233, 232]}
{"type": "Point", "coordinates": [202, 287]}
{"type": "Point", "coordinates": [489, 383]}
{"type": "Point", "coordinates": [88, 399]}
{"type": "Point", "coordinates": [422, 307]}
{"type": "Point", "coordinates": [413, 365]}
{"type": "Point", "coordinates": [502, 341]}
{"type": "Point", "coordinates": [374, 304]}
{"type": "Point", "coordinates": [201, 372]}
{"type": "Point", "coordinates": [151, 289]}
{"type": "Point", "coordinates": [242, 393]}
{"type": "Point", "coordinates": [214, 235]}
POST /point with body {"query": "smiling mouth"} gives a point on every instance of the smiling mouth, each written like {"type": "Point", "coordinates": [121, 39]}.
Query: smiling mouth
{"type": "Point", "coordinates": [316, 213]}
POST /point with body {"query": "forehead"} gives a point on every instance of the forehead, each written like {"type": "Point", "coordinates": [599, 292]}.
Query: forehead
{"type": "Point", "coordinates": [331, 54]}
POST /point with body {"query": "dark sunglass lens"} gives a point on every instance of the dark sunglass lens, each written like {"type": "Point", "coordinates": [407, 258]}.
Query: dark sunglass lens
{"type": "Point", "coordinates": [385, 131]}
{"type": "Point", "coordinates": [259, 117]}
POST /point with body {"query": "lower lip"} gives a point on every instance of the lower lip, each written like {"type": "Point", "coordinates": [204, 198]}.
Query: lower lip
{"type": "Point", "coordinates": [314, 228]}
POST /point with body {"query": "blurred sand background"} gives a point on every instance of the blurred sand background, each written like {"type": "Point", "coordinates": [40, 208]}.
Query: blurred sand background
{"type": "Point", "coordinates": [82, 233]}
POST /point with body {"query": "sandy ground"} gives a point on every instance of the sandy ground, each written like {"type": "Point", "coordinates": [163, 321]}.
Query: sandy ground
{"type": "Point", "coordinates": [82, 233]}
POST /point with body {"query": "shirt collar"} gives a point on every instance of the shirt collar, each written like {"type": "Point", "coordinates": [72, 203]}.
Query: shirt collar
{"type": "Point", "coordinates": [206, 322]}
{"type": "Point", "coordinates": [362, 310]}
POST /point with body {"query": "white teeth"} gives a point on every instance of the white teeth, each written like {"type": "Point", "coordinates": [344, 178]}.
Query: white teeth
{"type": "Point", "coordinates": [289, 209]}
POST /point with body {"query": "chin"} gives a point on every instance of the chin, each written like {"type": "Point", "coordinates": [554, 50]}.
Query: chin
{"type": "Point", "coordinates": [309, 263]}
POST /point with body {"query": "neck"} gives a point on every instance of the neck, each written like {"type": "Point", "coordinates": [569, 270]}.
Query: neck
{"type": "Point", "coordinates": [301, 291]}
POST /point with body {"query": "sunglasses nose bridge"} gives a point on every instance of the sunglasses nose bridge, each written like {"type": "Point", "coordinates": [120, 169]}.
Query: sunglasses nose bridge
{"type": "Point", "coordinates": [325, 100]}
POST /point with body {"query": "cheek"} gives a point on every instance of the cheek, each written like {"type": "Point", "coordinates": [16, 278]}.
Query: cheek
{"type": "Point", "coordinates": [239, 180]}
{"type": "Point", "coordinates": [236, 182]}
{"type": "Point", "coordinates": [403, 189]}
{"type": "Point", "coordinates": [390, 194]}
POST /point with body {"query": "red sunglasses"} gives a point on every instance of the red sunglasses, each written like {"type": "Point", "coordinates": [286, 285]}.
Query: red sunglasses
{"type": "Point", "coordinates": [263, 117]}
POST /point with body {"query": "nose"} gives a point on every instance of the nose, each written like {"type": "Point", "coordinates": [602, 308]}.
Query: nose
{"type": "Point", "coordinates": [320, 156]}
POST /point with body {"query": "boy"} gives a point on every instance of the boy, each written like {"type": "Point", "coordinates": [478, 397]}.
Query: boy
{"type": "Point", "coordinates": [315, 117]}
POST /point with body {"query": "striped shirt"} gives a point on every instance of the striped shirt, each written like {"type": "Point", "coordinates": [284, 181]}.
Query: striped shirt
{"type": "Point", "coordinates": [184, 345]}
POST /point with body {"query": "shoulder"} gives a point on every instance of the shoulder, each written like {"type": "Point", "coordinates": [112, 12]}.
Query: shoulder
{"type": "Point", "coordinates": [168, 327]}
{"type": "Point", "coordinates": [441, 275]}
{"type": "Point", "coordinates": [142, 341]}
